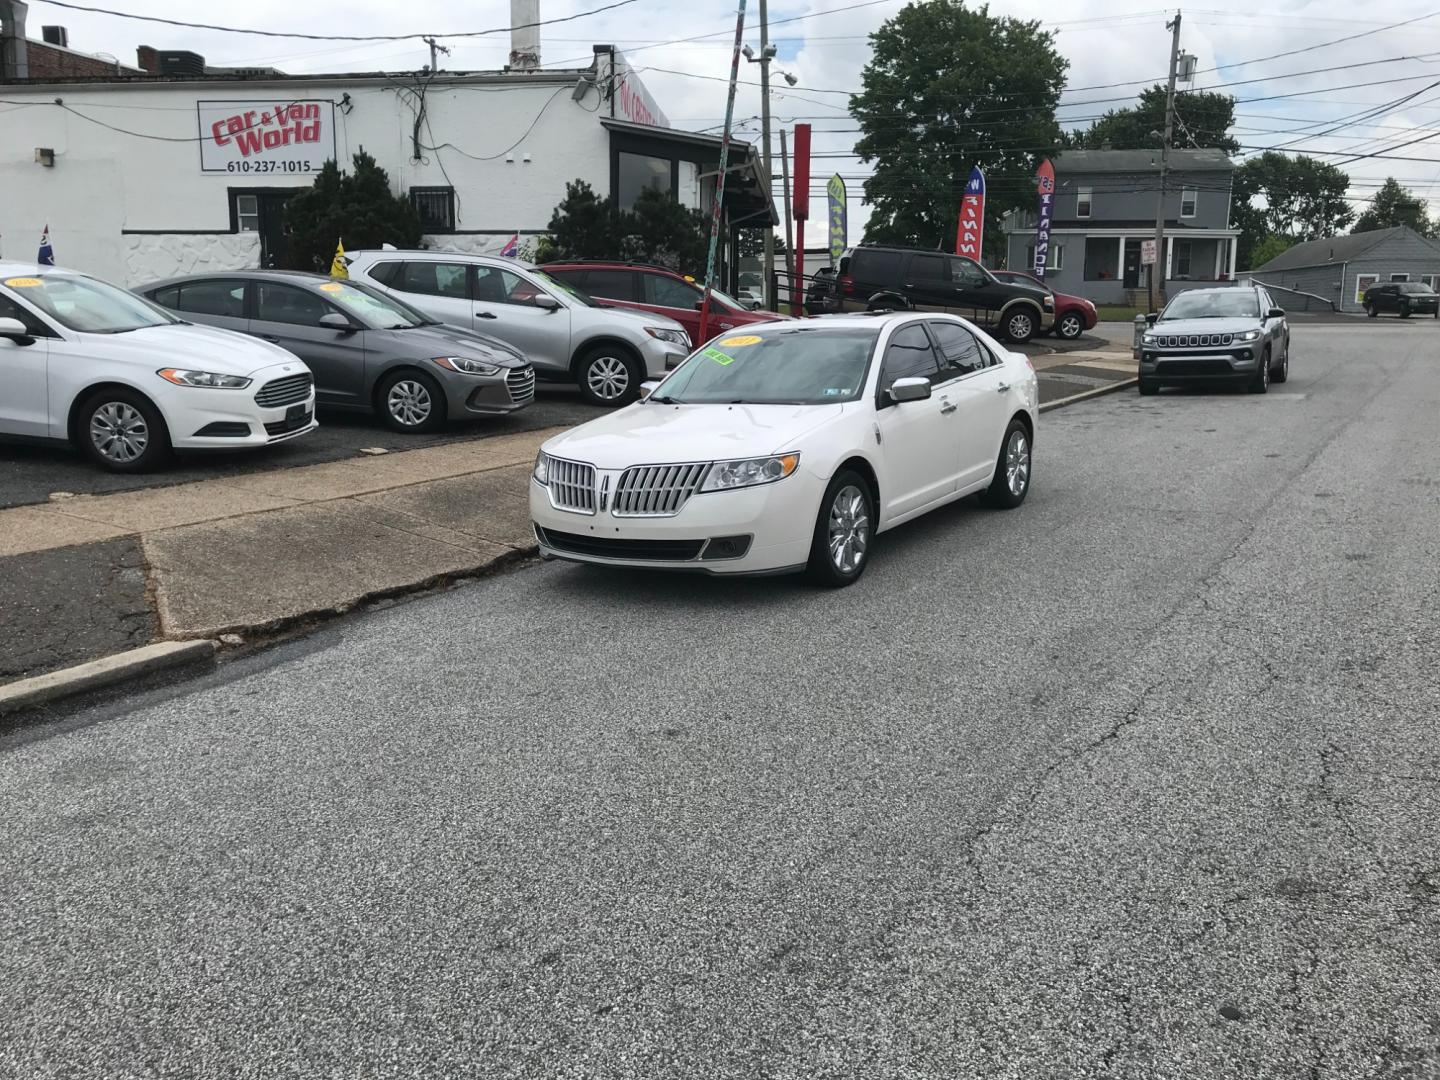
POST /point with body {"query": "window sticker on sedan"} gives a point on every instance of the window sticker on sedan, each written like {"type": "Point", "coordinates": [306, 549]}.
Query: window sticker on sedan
{"type": "Point", "coordinates": [742, 340]}
{"type": "Point", "coordinates": [719, 357]}
{"type": "Point", "coordinates": [330, 286]}
{"type": "Point", "coordinates": [23, 282]}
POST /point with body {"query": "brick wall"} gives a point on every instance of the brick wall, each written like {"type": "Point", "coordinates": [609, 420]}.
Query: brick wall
{"type": "Point", "coordinates": [49, 62]}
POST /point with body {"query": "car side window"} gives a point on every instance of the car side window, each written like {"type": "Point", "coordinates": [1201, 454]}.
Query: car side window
{"type": "Point", "coordinates": [929, 268]}
{"type": "Point", "coordinates": [960, 352]}
{"type": "Point", "coordinates": [385, 273]}
{"type": "Point", "coordinates": [610, 284]}
{"type": "Point", "coordinates": [286, 304]}
{"type": "Point", "coordinates": [433, 279]}
{"type": "Point", "coordinates": [495, 286]}
{"type": "Point", "coordinates": [219, 297]}
{"type": "Point", "coordinates": [966, 271]}
{"type": "Point", "coordinates": [10, 309]}
{"type": "Point", "coordinates": [167, 298]}
{"type": "Point", "coordinates": [909, 356]}
{"type": "Point", "coordinates": [663, 291]}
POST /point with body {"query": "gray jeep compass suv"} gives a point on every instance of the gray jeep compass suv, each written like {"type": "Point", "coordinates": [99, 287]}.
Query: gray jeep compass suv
{"type": "Point", "coordinates": [1234, 334]}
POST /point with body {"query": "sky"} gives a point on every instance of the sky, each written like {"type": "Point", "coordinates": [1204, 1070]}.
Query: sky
{"type": "Point", "coordinates": [1292, 101]}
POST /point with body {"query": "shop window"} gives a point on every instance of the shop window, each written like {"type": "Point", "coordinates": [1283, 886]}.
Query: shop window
{"type": "Point", "coordinates": [247, 213]}
{"type": "Point", "coordinates": [639, 174]}
{"type": "Point", "coordinates": [1084, 197]}
{"type": "Point", "coordinates": [435, 207]}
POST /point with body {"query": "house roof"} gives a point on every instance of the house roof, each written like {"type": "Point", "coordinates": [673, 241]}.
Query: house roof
{"type": "Point", "coordinates": [1141, 161]}
{"type": "Point", "coordinates": [1335, 249]}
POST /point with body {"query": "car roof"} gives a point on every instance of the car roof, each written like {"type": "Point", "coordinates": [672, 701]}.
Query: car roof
{"type": "Point", "coordinates": [435, 254]}
{"type": "Point", "coordinates": [19, 269]}
{"type": "Point", "coordinates": [295, 277]}
{"type": "Point", "coordinates": [611, 264]}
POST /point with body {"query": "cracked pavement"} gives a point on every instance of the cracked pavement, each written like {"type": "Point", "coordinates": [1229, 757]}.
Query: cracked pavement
{"type": "Point", "coordinates": [1140, 780]}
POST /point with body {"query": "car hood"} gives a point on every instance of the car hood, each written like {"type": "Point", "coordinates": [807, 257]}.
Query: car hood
{"type": "Point", "coordinates": [423, 342]}
{"type": "Point", "coordinates": [190, 345]}
{"type": "Point", "coordinates": [1206, 326]}
{"type": "Point", "coordinates": [647, 433]}
{"type": "Point", "coordinates": [638, 319]}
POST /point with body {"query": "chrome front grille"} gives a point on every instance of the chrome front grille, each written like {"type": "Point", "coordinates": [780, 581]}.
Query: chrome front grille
{"type": "Point", "coordinates": [290, 390]}
{"type": "Point", "coordinates": [521, 384]}
{"type": "Point", "coordinates": [572, 486]}
{"type": "Point", "coordinates": [1195, 341]}
{"type": "Point", "coordinates": [657, 490]}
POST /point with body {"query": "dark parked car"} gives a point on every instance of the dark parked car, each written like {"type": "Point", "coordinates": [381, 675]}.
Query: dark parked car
{"type": "Point", "coordinates": [1229, 335]}
{"type": "Point", "coordinates": [1405, 298]}
{"type": "Point", "coordinates": [903, 279]}
{"type": "Point", "coordinates": [1073, 314]}
{"type": "Point", "coordinates": [369, 351]}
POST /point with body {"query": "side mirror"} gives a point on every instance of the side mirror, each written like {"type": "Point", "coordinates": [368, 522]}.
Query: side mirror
{"type": "Point", "coordinates": [648, 388]}
{"type": "Point", "coordinates": [909, 390]}
{"type": "Point", "coordinates": [14, 330]}
{"type": "Point", "coordinates": [1275, 313]}
{"type": "Point", "coordinates": [1151, 318]}
{"type": "Point", "coordinates": [335, 321]}
{"type": "Point", "coordinates": [546, 302]}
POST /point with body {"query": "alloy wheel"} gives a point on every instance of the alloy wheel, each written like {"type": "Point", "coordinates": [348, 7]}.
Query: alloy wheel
{"type": "Point", "coordinates": [409, 403]}
{"type": "Point", "coordinates": [1020, 327]}
{"type": "Point", "coordinates": [608, 378]}
{"type": "Point", "coordinates": [1017, 463]}
{"type": "Point", "coordinates": [849, 531]}
{"type": "Point", "coordinates": [119, 432]}
{"type": "Point", "coordinates": [1070, 327]}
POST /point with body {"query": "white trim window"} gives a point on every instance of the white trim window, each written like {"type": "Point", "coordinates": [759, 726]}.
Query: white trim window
{"type": "Point", "coordinates": [1362, 285]}
{"type": "Point", "coordinates": [1433, 280]}
{"type": "Point", "coordinates": [1399, 277]}
{"type": "Point", "coordinates": [1189, 200]}
{"type": "Point", "coordinates": [1057, 257]}
{"type": "Point", "coordinates": [247, 213]}
{"type": "Point", "coordinates": [1084, 201]}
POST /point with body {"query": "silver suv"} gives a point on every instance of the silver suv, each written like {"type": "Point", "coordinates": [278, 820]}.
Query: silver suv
{"type": "Point", "coordinates": [565, 334]}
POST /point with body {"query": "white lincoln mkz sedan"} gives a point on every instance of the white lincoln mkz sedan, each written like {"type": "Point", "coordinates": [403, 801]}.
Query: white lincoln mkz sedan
{"type": "Point", "coordinates": [789, 446]}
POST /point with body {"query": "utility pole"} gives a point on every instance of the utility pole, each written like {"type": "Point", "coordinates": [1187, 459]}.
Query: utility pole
{"type": "Point", "coordinates": [435, 47]}
{"type": "Point", "coordinates": [717, 216]}
{"type": "Point", "coordinates": [789, 239]}
{"type": "Point", "coordinates": [1159, 267]}
{"type": "Point", "coordinates": [765, 56]}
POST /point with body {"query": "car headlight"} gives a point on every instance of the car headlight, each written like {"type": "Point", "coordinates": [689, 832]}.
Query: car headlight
{"type": "Point", "coordinates": [1149, 339]}
{"type": "Point", "coordinates": [747, 472]}
{"type": "Point", "coordinates": [465, 365]}
{"type": "Point", "coordinates": [541, 472]}
{"type": "Point", "coordinates": [1248, 335]}
{"type": "Point", "coordinates": [207, 379]}
{"type": "Point", "coordinates": [674, 337]}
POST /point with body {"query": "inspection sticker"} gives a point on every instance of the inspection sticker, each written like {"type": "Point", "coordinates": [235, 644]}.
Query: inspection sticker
{"type": "Point", "coordinates": [23, 282]}
{"type": "Point", "coordinates": [744, 339]}
{"type": "Point", "coordinates": [330, 286]}
{"type": "Point", "coordinates": [719, 357]}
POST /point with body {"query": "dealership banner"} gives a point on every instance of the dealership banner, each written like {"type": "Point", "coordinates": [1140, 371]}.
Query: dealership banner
{"type": "Point", "coordinates": [253, 138]}
{"type": "Point", "coordinates": [1046, 176]}
{"type": "Point", "coordinates": [970, 233]}
{"type": "Point", "coordinates": [839, 223]}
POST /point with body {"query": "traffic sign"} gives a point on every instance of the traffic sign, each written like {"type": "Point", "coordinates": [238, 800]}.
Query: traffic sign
{"type": "Point", "coordinates": [1147, 252]}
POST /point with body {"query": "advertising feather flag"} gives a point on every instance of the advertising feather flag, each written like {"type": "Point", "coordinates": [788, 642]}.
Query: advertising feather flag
{"type": "Point", "coordinates": [970, 233]}
{"type": "Point", "coordinates": [1046, 177]}
{"type": "Point", "coordinates": [47, 253]}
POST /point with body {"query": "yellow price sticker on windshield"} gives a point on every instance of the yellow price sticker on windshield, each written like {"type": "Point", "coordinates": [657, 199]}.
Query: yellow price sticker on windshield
{"type": "Point", "coordinates": [744, 339]}
{"type": "Point", "coordinates": [23, 282]}
{"type": "Point", "coordinates": [330, 286]}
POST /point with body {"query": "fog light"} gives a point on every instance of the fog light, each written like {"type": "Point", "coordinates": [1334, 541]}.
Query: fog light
{"type": "Point", "coordinates": [726, 547]}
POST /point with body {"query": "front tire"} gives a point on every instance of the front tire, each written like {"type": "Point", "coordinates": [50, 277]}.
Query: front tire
{"type": "Point", "coordinates": [411, 402]}
{"type": "Point", "coordinates": [1372, 311]}
{"type": "Point", "coordinates": [1020, 325]}
{"type": "Point", "coordinates": [1070, 327]}
{"type": "Point", "coordinates": [1148, 387]}
{"type": "Point", "coordinates": [1012, 469]}
{"type": "Point", "coordinates": [844, 530]}
{"type": "Point", "coordinates": [1404, 311]}
{"type": "Point", "coordinates": [1260, 383]}
{"type": "Point", "coordinates": [608, 377]}
{"type": "Point", "coordinates": [1282, 373]}
{"type": "Point", "coordinates": [122, 431]}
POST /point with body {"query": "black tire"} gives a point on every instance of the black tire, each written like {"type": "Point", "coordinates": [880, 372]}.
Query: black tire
{"type": "Point", "coordinates": [1404, 311]}
{"type": "Point", "coordinates": [1282, 373]}
{"type": "Point", "coordinates": [609, 376]}
{"type": "Point", "coordinates": [1011, 482]}
{"type": "Point", "coordinates": [888, 303]}
{"type": "Point", "coordinates": [122, 431]}
{"type": "Point", "coordinates": [1069, 326]}
{"type": "Point", "coordinates": [1020, 324]}
{"type": "Point", "coordinates": [847, 510]}
{"type": "Point", "coordinates": [410, 402]}
{"type": "Point", "coordinates": [1372, 311]}
{"type": "Point", "coordinates": [1148, 387]}
{"type": "Point", "coordinates": [1260, 381]}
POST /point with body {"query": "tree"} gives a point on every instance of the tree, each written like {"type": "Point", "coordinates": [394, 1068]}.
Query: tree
{"type": "Point", "coordinates": [1304, 199]}
{"type": "Point", "coordinates": [1394, 205]}
{"type": "Point", "coordinates": [658, 230]}
{"type": "Point", "coordinates": [1269, 248]}
{"type": "Point", "coordinates": [357, 208]}
{"type": "Point", "coordinates": [584, 226]}
{"type": "Point", "coordinates": [1202, 121]}
{"type": "Point", "coordinates": [946, 88]}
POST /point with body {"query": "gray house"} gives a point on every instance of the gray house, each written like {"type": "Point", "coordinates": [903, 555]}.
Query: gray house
{"type": "Point", "coordinates": [1343, 267]}
{"type": "Point", "coordinates": [1105, 204]}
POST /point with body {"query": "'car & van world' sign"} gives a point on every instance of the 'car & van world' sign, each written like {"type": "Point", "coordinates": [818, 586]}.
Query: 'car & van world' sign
{"type": "Point", "coordinates": [258, 137]}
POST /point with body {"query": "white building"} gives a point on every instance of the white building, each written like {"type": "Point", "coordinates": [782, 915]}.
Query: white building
{"type": "Point", "coordinates": [141, 176]}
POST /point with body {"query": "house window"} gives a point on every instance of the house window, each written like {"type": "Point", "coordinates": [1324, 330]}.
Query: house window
{"type": "Point", "coordinates": [247, 213]}
{"type": "Point", "coordinates": [1429, 279]}
{"type": "Point", "coordinates": [1057, 257]}
{"type": "Point", "coordinates": [1399, 277]}
{"type": "Point", "coordinates": [689, 194]}
{"type": "Point", "coordinates": [1188, 198]}
{"type": "Point", "coordinates": [1083, 198]}
{"type": "Point", "coordinates": [1102, 259]}
{"type": "Point", "coordinates": [1182, 258]}
{"type": "Point", "coordinates": [435, 206]}
{"type": "Point", "coordinates": [640, 173]}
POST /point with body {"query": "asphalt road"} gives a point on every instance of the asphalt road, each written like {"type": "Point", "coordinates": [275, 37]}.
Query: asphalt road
{"type": "Point", "coordinates": [1140, 780]}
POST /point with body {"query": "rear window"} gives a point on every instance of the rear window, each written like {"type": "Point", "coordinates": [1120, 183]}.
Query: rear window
{"type": "Point", "coordinates": [1414, 288]}
{"type": "Point", "coordinates": [871, 265]}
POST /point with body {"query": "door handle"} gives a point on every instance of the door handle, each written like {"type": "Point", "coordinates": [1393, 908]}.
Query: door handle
{"type": "Point", "coordinates": [270, 338]}
{"type": "Point", "coordinates": [949, 408]}
{"type": "Point", "coordinates": [486, 315]}
{"type": "Point", "coordinates": [1002, 388]}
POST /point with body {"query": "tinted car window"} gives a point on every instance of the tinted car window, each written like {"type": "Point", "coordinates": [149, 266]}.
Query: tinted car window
{"type": "Point", "coordinates": [225, 298]}
{"type": "Point", "coordinates": [960, 352]}
{"type": "Point", "coordinates": [610, 284]}
{"type": "Point", "coordinates": [432, 279]}
{"type": "Point", "coordinates": [9, 309]}
{"type": "Point", "coordinates": [665, 291]}
{"type": "Point", "coordinates": [385, 273]}
{"type": "Point", "coordinates": [285, 304]}
{"type": "Point", "coordinates": [494, 286]}
{"type": "Point", "coordinates": [167, 297]}
{"type": "Point", "coordinates": [967, 272]}
{"type": "Point", "coordinates": [882, 266]}
{"type": "Point", "coordinates": [929, 268]}
{"type": "Point", "coordinates": [909, 355]}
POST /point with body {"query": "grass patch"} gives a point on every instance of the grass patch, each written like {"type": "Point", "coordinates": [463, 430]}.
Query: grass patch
{"type": "Point", "coordinates": [1118, 312]}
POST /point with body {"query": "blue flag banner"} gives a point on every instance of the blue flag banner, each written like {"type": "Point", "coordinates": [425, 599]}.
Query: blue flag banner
{"type": "Point", "coordinates": [970, 232]}
{"type": "Point", "coordinates": [47, 253]}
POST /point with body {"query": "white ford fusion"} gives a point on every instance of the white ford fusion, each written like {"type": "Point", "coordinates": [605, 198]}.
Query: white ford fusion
{"type": "Point", "coordinates": [89, 363]}
{"type": "Point", "coordinates": [789, 446]}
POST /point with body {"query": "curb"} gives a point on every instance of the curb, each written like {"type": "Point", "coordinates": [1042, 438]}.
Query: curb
{"type": "Point", "coordinates": [1099, 391]}
{"type": "Point", "coordinates": [107, 671]}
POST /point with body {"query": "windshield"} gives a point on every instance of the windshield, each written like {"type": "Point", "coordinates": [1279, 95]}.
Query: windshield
{"type": "Point", "coordinates": [799, 366]}
{"type": "Point", "coordinates": [1414, 288]}
{"type": "Point", "coordinates": [375, 309]}
{"type": "Point", "coordinates": [569, 290]}
{"type": "Point", "coordinates": [1217, 304]}
{"type": "Point", "coordinates": [87, 304]}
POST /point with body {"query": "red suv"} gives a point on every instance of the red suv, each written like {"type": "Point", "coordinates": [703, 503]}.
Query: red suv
{"type": "Point", "coordinates": [654, 288]}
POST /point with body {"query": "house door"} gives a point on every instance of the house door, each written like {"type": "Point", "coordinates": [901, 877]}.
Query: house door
{"type": "Point", "coordinates": [263, 212]}
{"type": "Point", "coordinates": [1132, 264]}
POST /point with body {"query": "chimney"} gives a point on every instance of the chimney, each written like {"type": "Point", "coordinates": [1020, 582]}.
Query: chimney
{"type": "Point", "coordinates": [14, 63]}
{"type": "Point", "coordinates": [524, 35]}
{"type": "Point", "coordinates": [55, 35]}
{"type": "Point", "coordinates": [147, 60]}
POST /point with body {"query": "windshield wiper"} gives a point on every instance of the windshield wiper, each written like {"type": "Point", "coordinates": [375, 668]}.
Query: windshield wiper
{"type": "Point", "coordinates": [664, 400]}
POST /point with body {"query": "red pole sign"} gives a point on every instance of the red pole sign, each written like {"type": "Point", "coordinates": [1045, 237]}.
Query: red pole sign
{"type": "Point", "coordinates": [802, 199]}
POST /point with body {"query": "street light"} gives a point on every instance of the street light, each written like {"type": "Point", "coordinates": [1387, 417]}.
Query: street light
{"type": "Point", "coordinates": [767, 54]}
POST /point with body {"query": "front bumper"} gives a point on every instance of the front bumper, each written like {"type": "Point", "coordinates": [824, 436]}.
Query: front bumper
{"type": "Point", "coordinates": [1180, 367]}
{"type": "Point", "coordinates": [487, 395]}
{"type": "Point", "coordinates": [203, 419]}
{"type": "Point", "coordinates": [773, 524]}
{"type": "Point", "coordinates": [661, 357]}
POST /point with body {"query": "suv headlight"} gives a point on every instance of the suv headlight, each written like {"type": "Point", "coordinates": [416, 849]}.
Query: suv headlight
{"type": "Point", "coordinates": [465, 365]}
{"type": "Point", "coordinates": [541, 472]}
{"type": "Point", "coordinates": [1248, 335]}
{"type": "Point", "coordinates": [674, 337]}
{"type": "Point", "coordinates": [1149, 339]}
{"type": "Point", "coordinates": [207, 379]}
{"type": "Point", "coordinates": [747, 472]}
